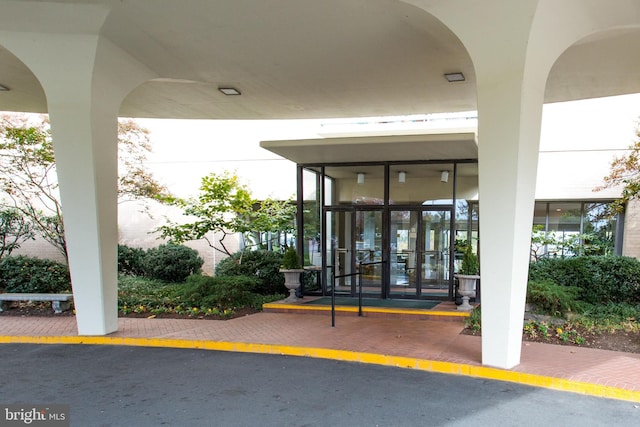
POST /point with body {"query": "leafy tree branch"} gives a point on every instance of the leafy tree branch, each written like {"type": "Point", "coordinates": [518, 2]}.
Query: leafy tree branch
{"type": "Point", "coordinates": [223, 207]}
{"type": "Point", "coordinates": [28, 178]}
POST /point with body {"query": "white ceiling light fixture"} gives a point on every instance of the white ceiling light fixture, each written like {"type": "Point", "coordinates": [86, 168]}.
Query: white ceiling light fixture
{"type": "Point", "coordinates": [229, 91]}
{"type": "Point", "coordinates": [444, 176]}
{"type": "Point", "coordinates": [3, 88]}
{"type": "Point", "coordinates": [360, 178]}
{"type": "Point", "coordinates": [402, 177]}
{"type": "Point", "coordinates": [454, 77]}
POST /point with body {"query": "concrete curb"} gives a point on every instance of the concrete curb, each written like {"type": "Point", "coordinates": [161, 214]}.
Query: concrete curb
{"type": "Point", "coordinates": [347, 356]}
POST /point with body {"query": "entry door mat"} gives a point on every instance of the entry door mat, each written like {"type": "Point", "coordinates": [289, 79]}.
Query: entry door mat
{"type": "Point", "coordinates": [376, 302]}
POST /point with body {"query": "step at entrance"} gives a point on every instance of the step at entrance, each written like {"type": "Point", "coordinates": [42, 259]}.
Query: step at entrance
{"type": "Point", "coordinates": [409, 309]}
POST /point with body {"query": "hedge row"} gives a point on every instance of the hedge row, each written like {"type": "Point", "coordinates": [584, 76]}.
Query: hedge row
{"type": "Point", "coordinates": [169, 263]}
{"type": "Point", "coordinates": [33, 275]}
{"type": "Point", "coordinates": [600, 279]}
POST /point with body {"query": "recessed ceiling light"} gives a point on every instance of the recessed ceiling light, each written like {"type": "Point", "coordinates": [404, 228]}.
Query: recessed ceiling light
{"type": "Point", "coordinates": [4, 88]}
{"type": "Point", "coordinates": [229, 91]}
{"type": "Point", "coordinates": [454, 77]}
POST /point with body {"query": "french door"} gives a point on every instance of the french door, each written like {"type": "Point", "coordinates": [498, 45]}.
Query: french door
{"type": "Point", "coordinates": [420, 256]}
{"type": "Point", "coordinates": [354, 244]}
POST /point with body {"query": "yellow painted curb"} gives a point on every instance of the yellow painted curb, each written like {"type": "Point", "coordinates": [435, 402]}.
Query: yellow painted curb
{"type": "Point", "coordinates": [347, 356]}
{"type": "Point", "coordinates": [351, 309]}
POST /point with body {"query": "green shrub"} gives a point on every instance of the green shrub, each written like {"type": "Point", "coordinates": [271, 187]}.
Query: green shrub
{"type": "Point", "coordinates": [131, 260]}
{"type": "Point", "coordinates": [551, 298]}
{"type": "Point", "coordinates": [291, 260]}
{"type": "Point", "coordinates": [263, 266]}
{"type": "Point", "coordinates": [602, 279]}
{"type": "Point", "coordinates": [470, 264]}
{"type": "Point", "coordinates": [171, 263]}
{"type": "Point", "coordinates": [33, 275]}
{"type": "Point", "coordinates": [474, 321]}
{"type": "Point", "coordinates": [222, 292]}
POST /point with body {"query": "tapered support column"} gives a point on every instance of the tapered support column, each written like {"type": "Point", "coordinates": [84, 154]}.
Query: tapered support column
{"type": "Point", "coordinates": [510, 83]}
{"type": "Point", "coordinates": [509, 132]}
{"type": "Point", "coordinates": [513, 49]}
{"type": "Point", "coordinates": [85, 79]}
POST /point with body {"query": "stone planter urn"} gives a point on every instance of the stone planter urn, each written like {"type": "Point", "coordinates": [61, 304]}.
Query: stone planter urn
{"type": "Point", "coordinates": [466, 288]}
{"type": "Point", "coordinates": [292, 270]}
{"type": "Point", "coordinates": [292, 282]}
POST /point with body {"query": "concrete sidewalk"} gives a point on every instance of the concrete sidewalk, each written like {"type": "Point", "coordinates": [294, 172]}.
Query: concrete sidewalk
{"type": "Point", "coordinates": [425, 344]}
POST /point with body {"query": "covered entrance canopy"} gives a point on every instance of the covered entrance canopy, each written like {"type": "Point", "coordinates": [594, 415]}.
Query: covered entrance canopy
{"type": "Point", "coordinates": [86, 62]}
{"type": "Point", "coordinates": [385, 216]}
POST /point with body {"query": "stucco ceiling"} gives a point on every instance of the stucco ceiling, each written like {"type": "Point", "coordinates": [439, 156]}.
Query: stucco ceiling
{"type": "Point", "coordinates": [311, 59]}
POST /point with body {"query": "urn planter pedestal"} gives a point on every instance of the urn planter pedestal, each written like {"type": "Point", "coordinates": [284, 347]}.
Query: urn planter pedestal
{"type": "Point", "coordinates": [292, 282]}
{"type": "Point", "coordinates": [466, 288]}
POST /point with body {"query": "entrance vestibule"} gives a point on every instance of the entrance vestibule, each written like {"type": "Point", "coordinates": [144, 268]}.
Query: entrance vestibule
{"type": "Point", "coordinates": [389, 230]}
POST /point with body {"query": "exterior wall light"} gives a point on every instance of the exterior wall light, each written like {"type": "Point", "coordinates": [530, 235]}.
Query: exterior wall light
{"type": "Point", "coordinates": [360, 178]}
{"type": "Point", "coordinates": [444, 176]}
{"type": "Point", "coordinates": [402, 177]}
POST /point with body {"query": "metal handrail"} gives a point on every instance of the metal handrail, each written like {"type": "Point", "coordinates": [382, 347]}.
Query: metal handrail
{"type": "Point", "coordinates": [360, 283]}
{"type": "Point", "coordinates": [333, 288]}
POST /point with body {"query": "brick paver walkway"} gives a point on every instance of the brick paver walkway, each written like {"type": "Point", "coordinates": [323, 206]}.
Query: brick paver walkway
{"type": "Point", "coordinates": [420, 339]}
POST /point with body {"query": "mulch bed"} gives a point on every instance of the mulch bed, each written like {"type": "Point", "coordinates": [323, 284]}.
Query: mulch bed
{"type": "Point", "coordinates": [628, 342]}
{"type": "Point", "coordinates": [45, 310]}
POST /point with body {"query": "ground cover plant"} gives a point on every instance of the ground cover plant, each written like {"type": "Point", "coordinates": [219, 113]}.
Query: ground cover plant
{"type": "Point", "coordinates": [585, 301]}
{"type": "Point", "coordinates": [197, 297]}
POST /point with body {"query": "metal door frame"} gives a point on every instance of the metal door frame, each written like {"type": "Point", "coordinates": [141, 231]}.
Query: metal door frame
{"type": "Point", "coordinates": [326, 264]}
{"type": "Point", "coordinates": [420, 209]}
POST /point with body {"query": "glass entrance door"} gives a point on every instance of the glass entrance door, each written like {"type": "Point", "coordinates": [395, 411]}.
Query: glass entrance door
{"type": "Point", "coordinates": [368, 251]}
{"type": "Point", "coordinates": [419, 253]}
{"type": "Point", "coordinates": [435, 256]}
{"type": "Point", "coordinates": [354, 243]}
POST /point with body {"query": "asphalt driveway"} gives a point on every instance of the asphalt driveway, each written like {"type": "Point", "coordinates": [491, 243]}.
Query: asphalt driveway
{"type": "Point", "coordinates": [134, 386]}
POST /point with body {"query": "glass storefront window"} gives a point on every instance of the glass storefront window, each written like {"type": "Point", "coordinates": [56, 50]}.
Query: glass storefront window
{"type": "Point", "coordinates": [572, 228]}
{"type": "Point", "coordinates": [421, 184]}
{"type": "Point", "coordinates": [598, 230]}
{"type": "Point", "coordinates": [540, 216]}
{"type": "Point", "coordinates": [359, 185]}
{"type": "Point", "coordinates": [466, 212]}
{"type": "Point", "coordinates": [311, 217]}
{"type": "Point", "coordinates": [467, 181]}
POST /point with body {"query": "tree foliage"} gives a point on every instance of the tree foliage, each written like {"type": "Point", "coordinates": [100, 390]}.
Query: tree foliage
{"type": "Point", "coordinates": [28, 179]}
{"type": "Point", "coordinates": [625, 172]}
{"type": "Point", "coordinates": [14, 230]}
{"type": "Point", "coordinates": [269, 219]}
{"type": "Point", "coordinates": [221, 207]}
{"type": "Point", "coordinates": [135, 182]}
{"type": "Point", "coordinates": [274, 216]}
{"type": "Point", "coordinates": [225, 206]}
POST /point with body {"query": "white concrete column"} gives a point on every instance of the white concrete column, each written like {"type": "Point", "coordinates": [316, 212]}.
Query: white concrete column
{"type": "Point", "coordinates": [513, 48]}
{"type": "Point", "coordinates": [509, 117]}
{"type": "Point", "coordinates": [510, 82]}
{"type": "Point", "coordinates": [85, 79]}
